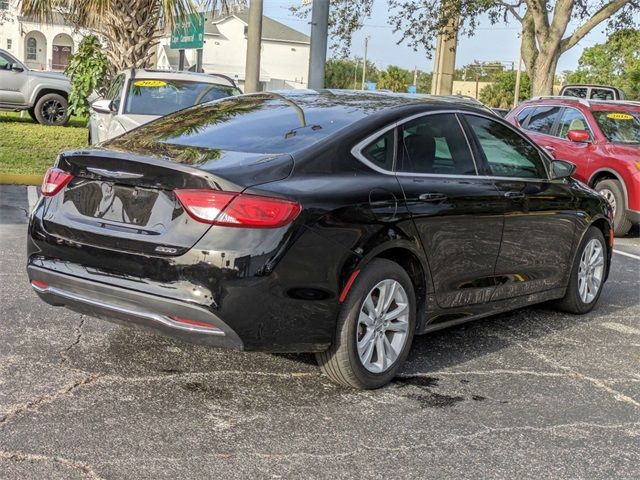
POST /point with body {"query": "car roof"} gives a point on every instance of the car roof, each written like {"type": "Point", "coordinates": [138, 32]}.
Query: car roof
{"type": "Point", "coordinates": [179, 75]}
{"type": "Point", "coordinates": [590, 85]}
{"type": "Point", "coordinates": [370, 101]}
{"type": "Point", "coordinates": [590, 104]}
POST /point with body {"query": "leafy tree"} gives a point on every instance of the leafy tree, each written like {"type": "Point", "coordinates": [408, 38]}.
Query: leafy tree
{"type": "Point", "coordinates": [615, 62]}
{"type": "Point", "coordinates": [347, 73]}
{"type": "Point", "coordinates": [547, 25]}
{"type": "Point", "coordinates": [395, 79]}
{"type": "Point", "coordinates": [424, 82]}
{"type": "Point", "coordinates": [131, 28]}
{"type": "Point", "coordinates": [87, 69]}
{"type": "Point", "coordinates": [500, 93]}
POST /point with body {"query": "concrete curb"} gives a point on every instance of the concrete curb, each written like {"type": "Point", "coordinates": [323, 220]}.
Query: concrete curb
{"type": "Point", "coordinates": [20, 179]}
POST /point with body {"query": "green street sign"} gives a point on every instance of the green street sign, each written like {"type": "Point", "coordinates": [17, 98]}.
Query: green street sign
{"type": "Point", "coordinates": [188, 33]}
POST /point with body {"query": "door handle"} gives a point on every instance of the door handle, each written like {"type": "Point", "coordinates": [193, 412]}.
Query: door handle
{"type": "Point", "coordinates": [514, 195]}
{"type": "Point", "coordinates": [432, 197]}
{"type": "Point", "coordinates": [550, 149]}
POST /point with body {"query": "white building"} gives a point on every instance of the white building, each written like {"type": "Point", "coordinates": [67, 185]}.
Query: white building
{"type": "Point", "coordinates": [284, 61]}
{"type": "Point", "coordinates": [39, 46]}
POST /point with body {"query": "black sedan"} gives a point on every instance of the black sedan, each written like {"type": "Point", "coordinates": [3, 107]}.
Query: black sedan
{"type": "Point", "coordinates": [335, 222]}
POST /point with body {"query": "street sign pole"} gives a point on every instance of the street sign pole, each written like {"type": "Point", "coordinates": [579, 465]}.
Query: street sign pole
{"type": "Point", "coordinates": [199, 68]}
{"type": "Point", "coordinates": [181, 59]}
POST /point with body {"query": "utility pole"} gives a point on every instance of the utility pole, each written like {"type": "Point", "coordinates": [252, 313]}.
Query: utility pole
{"type": "Point", "coordinates": [445, 60]}
{"type": "Point", "coordinates": [415, 75]}
{"type": "Point", "coordinates": [355, 75]}
{"type": "Point", "coordinates": [364, 66]}
{"type": "Point", "coordinates": [516, 94]}
{"type": "Point", "coordinates": [254, 38]}
{"type": "Point", "coordinates": [318, 50]}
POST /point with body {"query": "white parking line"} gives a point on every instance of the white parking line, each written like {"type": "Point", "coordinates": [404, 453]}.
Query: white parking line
{"type": "Point", "coordinates": [619, 327]}
{"type": "Point", "coordinates": [32, 196]}
{"type": "Point", "coordinates": [627, 254]}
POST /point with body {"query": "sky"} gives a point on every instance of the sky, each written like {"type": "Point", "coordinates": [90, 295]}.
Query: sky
{"type": "Point", "coordinates": [498, 42]}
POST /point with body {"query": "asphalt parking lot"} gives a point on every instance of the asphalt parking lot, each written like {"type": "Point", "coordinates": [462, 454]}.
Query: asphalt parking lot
{"type": "Point", "coordinates": [528, 394]}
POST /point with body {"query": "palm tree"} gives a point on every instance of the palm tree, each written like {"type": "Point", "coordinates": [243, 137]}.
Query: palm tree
{"type": "Point", "coordinates": [395, 79]}
{"type": "Point", "coordinates": [130, 28]}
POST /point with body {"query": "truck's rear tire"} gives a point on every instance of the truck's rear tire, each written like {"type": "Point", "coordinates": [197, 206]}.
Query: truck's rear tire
{"type": "Point", "coordinates": [52, 109]}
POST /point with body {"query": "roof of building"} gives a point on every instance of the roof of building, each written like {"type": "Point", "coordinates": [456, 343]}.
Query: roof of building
{"type": "Point", "coordinates": [271, 29]}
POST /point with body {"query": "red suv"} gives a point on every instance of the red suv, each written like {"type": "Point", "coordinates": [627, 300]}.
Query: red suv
{"type": "Point", "coordinates": [602, 138]}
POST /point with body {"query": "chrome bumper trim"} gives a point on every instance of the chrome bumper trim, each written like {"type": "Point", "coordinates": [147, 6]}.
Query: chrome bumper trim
{"type": "Point", "coordinates": [154, 317]}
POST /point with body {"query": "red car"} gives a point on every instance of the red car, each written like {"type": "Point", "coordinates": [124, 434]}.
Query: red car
{"type": "Point", "coordinates": [602, 138]}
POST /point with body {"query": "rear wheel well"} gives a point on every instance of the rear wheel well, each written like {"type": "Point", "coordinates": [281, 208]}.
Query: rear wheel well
{"type": "Point", "coordinates": [412, 265]}
{"type": "Point", "coordinates": [602, 225]}
{"type": "Point", "coordinates": [604, 175]}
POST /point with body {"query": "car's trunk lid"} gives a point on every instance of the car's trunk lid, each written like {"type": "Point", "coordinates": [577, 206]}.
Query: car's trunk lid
{"type": "Point", "coordinates": [126, 202]}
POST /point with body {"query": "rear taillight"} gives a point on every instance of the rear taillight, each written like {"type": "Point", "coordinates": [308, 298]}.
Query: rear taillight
{"type": "Point", "coordinates": [237, 210]}
{"type": "Point", "coordinates": [54, 181]}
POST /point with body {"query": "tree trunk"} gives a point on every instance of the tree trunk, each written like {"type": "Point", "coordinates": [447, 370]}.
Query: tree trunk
{"type": "Point", "coordinates": [543, 72]}
{"type": "Point", "coordinates": [131, 29]}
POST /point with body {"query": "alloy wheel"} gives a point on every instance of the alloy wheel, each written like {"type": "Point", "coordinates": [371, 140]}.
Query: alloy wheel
{"type": "Point", "coordinates": [53, 111]}
{"type": "Point", "coordinates": [591, 270]}
{"type": "Point", "coordinates": [383, 326]}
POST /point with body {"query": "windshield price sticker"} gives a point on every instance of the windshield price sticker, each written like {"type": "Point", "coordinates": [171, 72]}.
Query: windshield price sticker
{"type": "Point", "coordinates": [620, 116]}
{"type": "Point", "coordinates": [150, 83]}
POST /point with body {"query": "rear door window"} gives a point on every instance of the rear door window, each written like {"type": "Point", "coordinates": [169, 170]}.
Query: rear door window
{"type": "Point", "coordinates": [434, 144]}
{"type": "Point", "coordinates": [542, 119]}
{"type": "Point", "coordinates": [507, 153]}
{"type": "Point", "coordinates": [523, 115]}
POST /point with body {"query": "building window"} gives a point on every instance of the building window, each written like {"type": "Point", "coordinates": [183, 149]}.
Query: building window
{"type": "Point", "coordinates": [9, 43]}
{"type": "Point", "coordinates": [32, 49]}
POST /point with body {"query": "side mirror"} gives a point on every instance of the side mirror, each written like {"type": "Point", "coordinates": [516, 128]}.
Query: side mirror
{"type": "Point", "coordinates": [579, 136]}
{"type": "Point", "coordinates": [562, 168]}
{"type": "Point", "coordinates": [16, 68]}
{"type": "Point", "coordinates": [102, 106]}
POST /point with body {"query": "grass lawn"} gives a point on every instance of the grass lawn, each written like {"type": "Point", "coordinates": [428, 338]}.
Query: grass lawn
{"type": "Point", "coordinates": [29, 148]}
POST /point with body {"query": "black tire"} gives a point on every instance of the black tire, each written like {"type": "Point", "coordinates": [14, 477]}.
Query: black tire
{"type": "Point", "coordinates": [32, 114]}
{"type": "Point", "coordinates": [341, 363]}
{"type": "Point", "coordinates": [572, 301]}
{"type": "Point", "coordinates": [621, 223]}
{"type": "Point", "coordinates": [52, 109]}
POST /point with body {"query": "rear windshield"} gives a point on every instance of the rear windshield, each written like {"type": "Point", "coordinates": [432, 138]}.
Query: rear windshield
{"type": "Point", "coordinates": [619, 127]}
{"type": "Point", "coordinates": [264, 123]}
{"type": "Point", "coordinates": [161, 97]}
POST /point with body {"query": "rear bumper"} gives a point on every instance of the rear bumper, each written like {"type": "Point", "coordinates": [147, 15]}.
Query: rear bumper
{"type": "Point", "coordinates": [128, 307]}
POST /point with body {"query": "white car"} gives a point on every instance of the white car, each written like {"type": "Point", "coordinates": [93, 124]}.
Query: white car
{"type": "Point", "coordinates": [139, 96]}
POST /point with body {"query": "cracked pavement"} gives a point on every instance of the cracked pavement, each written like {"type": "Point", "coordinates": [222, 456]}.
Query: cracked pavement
{"type": "Point", "coordinates": [529, 394]}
